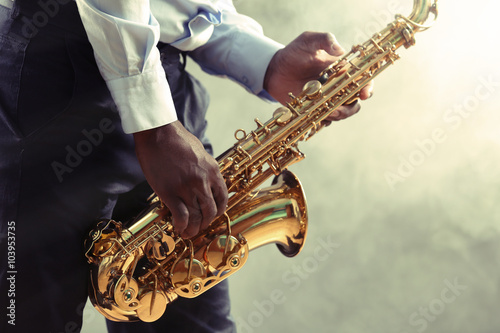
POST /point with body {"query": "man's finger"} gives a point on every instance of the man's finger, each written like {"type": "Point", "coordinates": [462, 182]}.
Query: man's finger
{"type": "Point", "coordinates": [367, 91]}
{"type": "Point", "coordinates": [194, 220]}
{"type": "Point", "coordinates": [208, 209]}
{"type": "Point", "coordinates": [343, 112]}
{"type": "Point", "coordinates": [180, 215]}
{"type": "Point", "coordinates": [350, 109]}
{"type": "Point", "coordinates": [219, 192]}
{"type": "Point", "coordinates": [331, 45]}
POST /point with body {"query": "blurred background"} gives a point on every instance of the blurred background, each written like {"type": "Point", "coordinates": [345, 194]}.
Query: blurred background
{"type": "Point", "coordinates": [403, 197]}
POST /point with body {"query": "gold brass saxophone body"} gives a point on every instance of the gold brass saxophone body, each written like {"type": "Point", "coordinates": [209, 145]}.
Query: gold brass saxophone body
{"type": "Point", "coordinates": [137, 268]}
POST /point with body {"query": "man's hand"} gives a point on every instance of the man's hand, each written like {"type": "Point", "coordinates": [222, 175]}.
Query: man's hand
{"type": "Point", "coordinates": [303, 60]}
{"type": "Point", "coordinates": [183, 175]}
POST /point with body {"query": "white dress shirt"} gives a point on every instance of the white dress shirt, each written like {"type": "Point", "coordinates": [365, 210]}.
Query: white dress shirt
{"type": "Point", "coordinates": [124, 35]}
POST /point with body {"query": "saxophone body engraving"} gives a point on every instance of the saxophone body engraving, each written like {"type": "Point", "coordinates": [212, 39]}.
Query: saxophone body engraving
{"type": "Point", "coordinates": [138, 268]}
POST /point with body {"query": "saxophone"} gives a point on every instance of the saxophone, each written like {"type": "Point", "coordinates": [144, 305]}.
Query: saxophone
{"type": "Point", "coordinates": [138, 268]}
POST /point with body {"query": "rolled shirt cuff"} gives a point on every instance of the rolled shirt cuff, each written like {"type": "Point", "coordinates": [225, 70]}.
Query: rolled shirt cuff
{"type": "Point", "coordinates": [144, 101]}
{"type": "Point", "coordinates": [249, 63]}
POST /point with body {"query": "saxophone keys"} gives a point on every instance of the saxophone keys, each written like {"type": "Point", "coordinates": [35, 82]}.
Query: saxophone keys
{"type": "Point", "coordinates": [312, 89]}
{"type": "Point", "coordinates": [353, 99]}
{"type": "Point", "coordinates": [359, 48]}
{"type": "Point", "coordinates": [255, 137]}
{"type": "Point", "coordinates": [153, 305]}
{"type": "Point", "coordinates": [283, 115]}
{"type": "Point", "coordinates": [262, 127]}
{"type": "Point", "coordinates": [409, 38]}
{"type": "Point", "coordinates": [160, 249]}
{"type": "Point", "coordinates": [259, 123]}
{"type": "Point", "coordinates": [242, 239]}
{"type": "Point", "coordinates": [102, 241]}
{"type": "Point", "coordinates": [125, 293]}
{"type": "Point", "coordinates": [222, 252]}
{"type": "Point", "coordinates": [181, 278]}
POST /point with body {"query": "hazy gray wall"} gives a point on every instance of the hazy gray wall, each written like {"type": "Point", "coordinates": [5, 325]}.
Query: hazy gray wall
{"type": "Point", "coordinates": [404, 223]}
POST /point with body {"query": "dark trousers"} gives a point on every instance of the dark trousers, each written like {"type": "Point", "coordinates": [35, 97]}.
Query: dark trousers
{"type": "Point", "coordinates": [64, 163]}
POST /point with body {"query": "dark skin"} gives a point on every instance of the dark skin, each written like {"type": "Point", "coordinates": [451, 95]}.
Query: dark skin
{"type": "Point", "coordinates": [186, 178]}
{"type": "Point", "coordinates": [183, 175]}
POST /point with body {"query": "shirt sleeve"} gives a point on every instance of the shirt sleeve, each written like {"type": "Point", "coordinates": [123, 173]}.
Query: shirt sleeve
{"type": "Point", "coordinates": [238, 49]}
{"type": "Point", "coordinates": [124, 35]}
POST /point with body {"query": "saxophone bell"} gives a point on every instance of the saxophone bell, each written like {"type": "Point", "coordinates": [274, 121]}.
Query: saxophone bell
{"type": "Point", "coordinates": [276, 214]}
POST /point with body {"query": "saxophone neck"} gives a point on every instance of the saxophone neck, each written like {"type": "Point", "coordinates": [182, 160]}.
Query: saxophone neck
{"type": "Point", "coordinates": [419, 17]}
